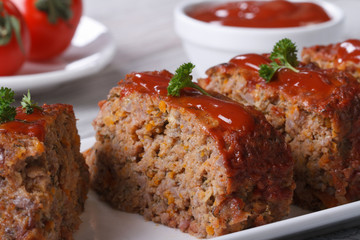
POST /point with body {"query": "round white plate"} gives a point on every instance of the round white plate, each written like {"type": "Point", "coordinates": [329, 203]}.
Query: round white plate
{"type": "Point", "coordinates": [91, 49]}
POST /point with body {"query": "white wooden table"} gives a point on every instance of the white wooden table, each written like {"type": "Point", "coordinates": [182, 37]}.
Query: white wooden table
{"type": "Point", "coordinates": [145, 39]}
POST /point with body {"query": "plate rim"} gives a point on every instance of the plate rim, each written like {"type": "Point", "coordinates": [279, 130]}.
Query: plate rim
{"type": "Point", "coordinates": [17, 82]}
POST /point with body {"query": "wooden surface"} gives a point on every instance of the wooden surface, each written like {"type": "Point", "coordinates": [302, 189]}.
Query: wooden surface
{"type": "Point", "coordinates": [143, 31]}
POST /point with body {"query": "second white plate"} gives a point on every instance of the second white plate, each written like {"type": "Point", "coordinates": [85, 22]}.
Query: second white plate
{"type": "Point", "coordinates": [91, 49]}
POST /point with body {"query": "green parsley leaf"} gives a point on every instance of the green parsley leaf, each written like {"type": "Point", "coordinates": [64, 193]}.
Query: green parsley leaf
{"type": "Point", "coordinates": [267, 72]}
{"type": "Point", "coordinates": [28, 105]}
{"type": "Point", "coordinates": [7, 112]}
{"type": "Point", "coordinates": [181, 79]}
{"type": "Point", "coordinates": [284, 52]}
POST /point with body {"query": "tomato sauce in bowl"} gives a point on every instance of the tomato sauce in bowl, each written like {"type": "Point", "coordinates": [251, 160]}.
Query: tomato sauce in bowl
{"type": "Point", "coordinates": [210, 43]}
{"type": "Point", "coordinates": [261, 14]}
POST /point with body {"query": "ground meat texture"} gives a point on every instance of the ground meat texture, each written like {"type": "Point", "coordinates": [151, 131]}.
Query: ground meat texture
{"type": "Point", "coordinates": [43, 176]}
{"type": "Point", "coordinates": [318, 113]}
{"type": "Point", "coordinates": [343, 56]}
{"type": "Point", "coordinates": [171, 160]}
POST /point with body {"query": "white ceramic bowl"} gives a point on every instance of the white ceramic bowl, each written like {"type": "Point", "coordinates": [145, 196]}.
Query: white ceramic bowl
{"type": "Point", "coordinates": [209, 44]}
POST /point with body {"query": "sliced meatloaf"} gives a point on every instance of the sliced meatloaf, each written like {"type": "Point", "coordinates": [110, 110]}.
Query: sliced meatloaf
{"type": "Point", "coordinates": [204, 164]}
{"type": "Point", "coordinates": [343, 56]}
{"type": "Point", "coordinates": [43, 176]}
{"type": "Point", "coordinates": [317, 111]}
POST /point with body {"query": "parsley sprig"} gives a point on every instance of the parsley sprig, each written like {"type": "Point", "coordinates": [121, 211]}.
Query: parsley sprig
{"type": "Point", "coordinates": [181, 79]}
{"type": "Point", "coordinates": [28, 105]}
{"type": "Point", "coordinates": [282, 56]}
{"type": "Point", "coordinates": [7, 112]}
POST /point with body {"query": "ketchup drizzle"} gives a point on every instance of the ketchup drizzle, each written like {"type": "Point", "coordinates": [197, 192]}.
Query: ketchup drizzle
{"type": "Point", "coordinates": [230, 115]}
{"type": "Point", "coordinates": [32, 125]}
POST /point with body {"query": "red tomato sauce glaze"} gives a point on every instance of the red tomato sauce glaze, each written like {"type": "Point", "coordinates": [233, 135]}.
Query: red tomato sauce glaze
{"type": "Point", "coordinates": [32, 125]}
{"type": "Point", "coordinates": [230, 115]}
{"type": "Point", "coordinates": [313, 86]}
{"type": "Point", "coordinates": [348, 50]}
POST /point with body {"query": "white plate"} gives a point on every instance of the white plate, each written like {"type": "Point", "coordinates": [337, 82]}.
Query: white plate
{"type": "Point", "coordinates": [102, 222]}
{"type": "Point", "coordinates": [91, 49]}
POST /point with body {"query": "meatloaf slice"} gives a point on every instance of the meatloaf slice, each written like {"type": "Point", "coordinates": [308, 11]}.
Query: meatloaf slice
{"type": "Point", "coordinates": [317, 111]}
{"type": "Point", "coordinates": [343, 56]}
{"type": "Point", "coordinates": [206, 165]}
{"type": "Point", "coordinates": [43, 176]}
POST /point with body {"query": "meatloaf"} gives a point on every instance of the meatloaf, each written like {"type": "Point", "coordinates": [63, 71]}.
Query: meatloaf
{"type": "Point", "coordinates": [317, 111]}
{"type": "Point", "coordinates": [43, 176]}
{"type": "Point", "coordinates": [343, 56]}
{"type": "Point", "coordinates": [204, 164]}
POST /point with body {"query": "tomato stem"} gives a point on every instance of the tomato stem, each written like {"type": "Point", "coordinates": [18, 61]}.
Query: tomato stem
{"type": "Point", "coordinates": [55, 9]}
{"type": "Point", "coordinates": [9, 24]}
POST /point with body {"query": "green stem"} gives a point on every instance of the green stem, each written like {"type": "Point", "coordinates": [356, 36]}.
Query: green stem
{"type": "Point", "coordinates": [194, 85]}
{"type": "Point", "coordinates": [288, 65]}
{"type": "Point", "coordinates": [9, 24]}
{"type": "Point", "coordinates": [55, 9]}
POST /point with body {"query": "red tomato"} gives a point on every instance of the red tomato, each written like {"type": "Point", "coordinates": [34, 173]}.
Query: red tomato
{"type": "Point", "coordinates": [50, 39]}
{"type": "Point", "coordinates": [12, 50]}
